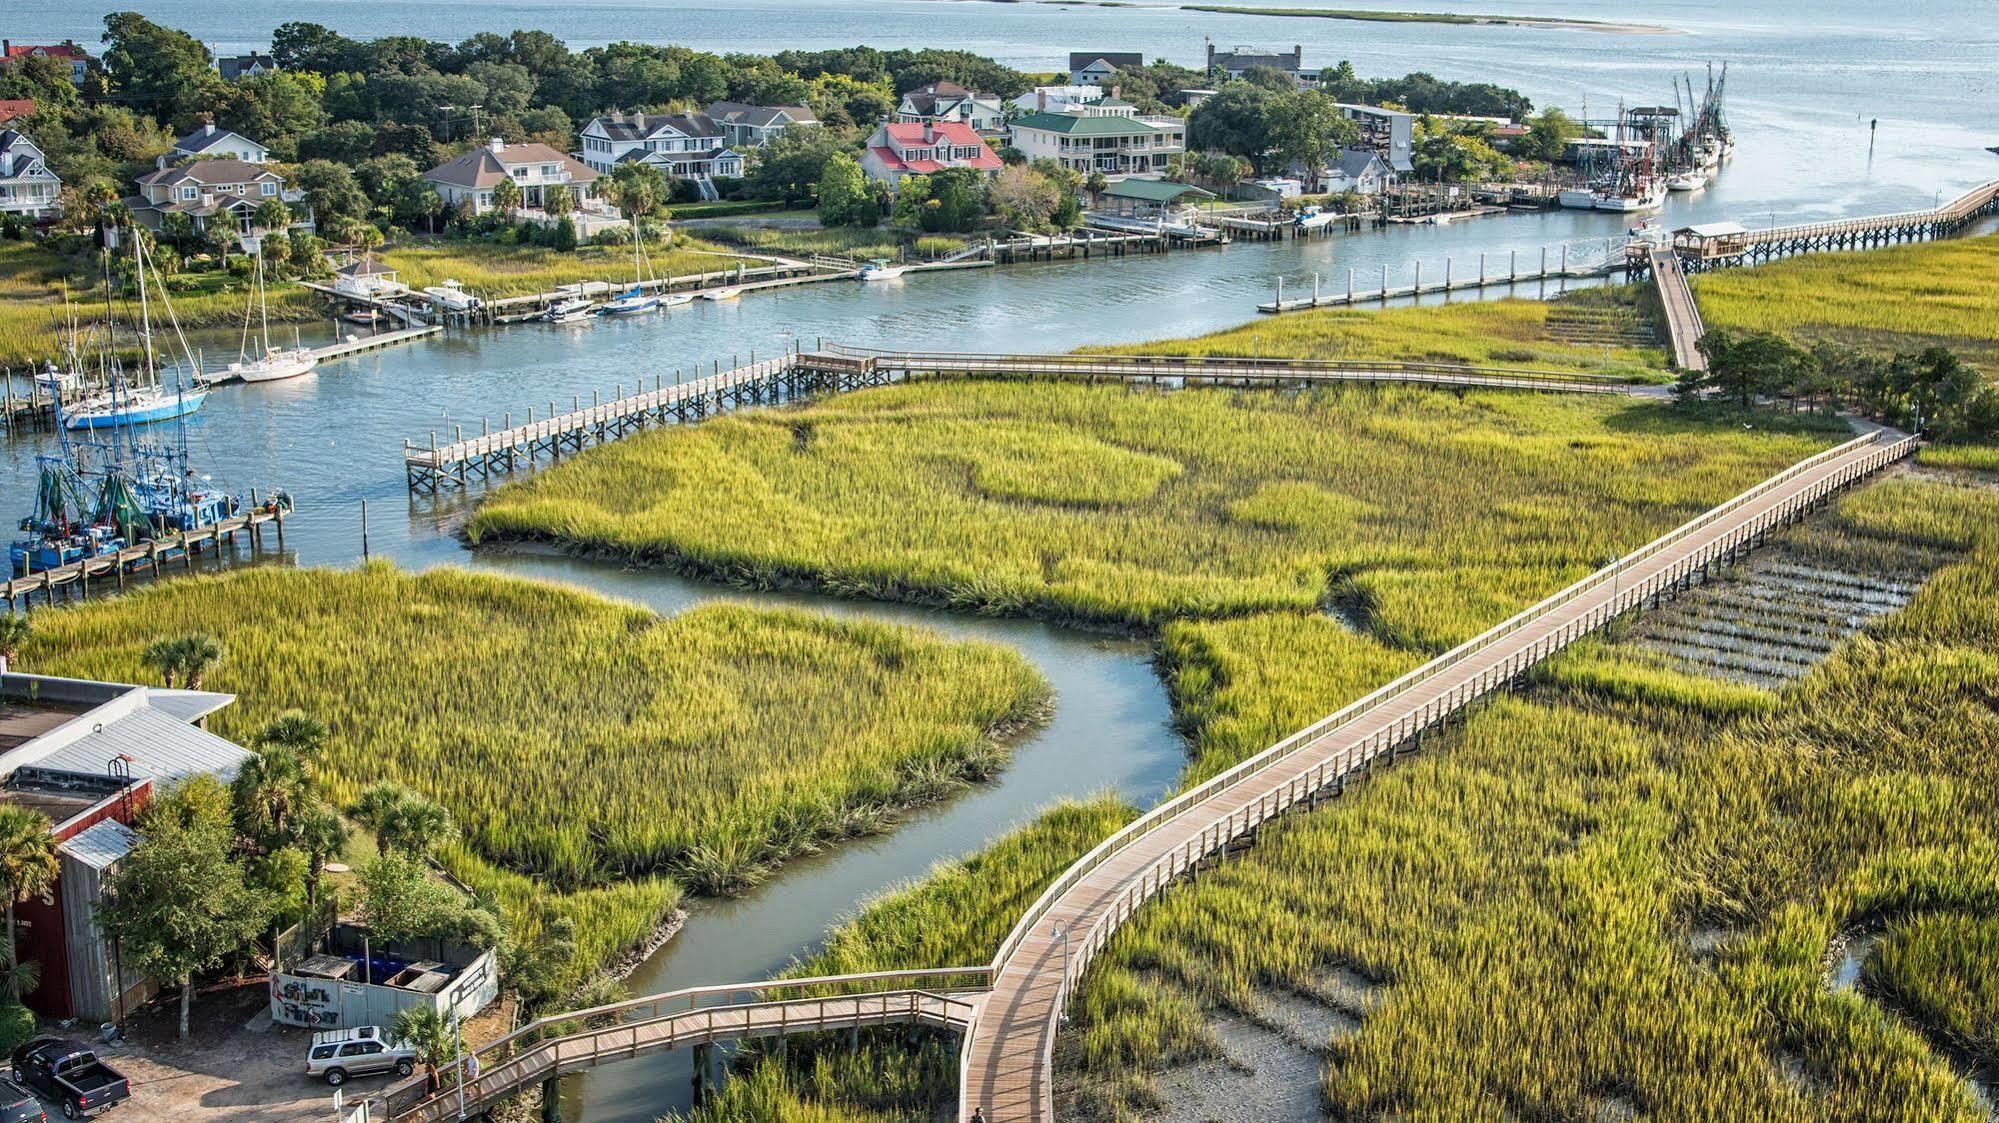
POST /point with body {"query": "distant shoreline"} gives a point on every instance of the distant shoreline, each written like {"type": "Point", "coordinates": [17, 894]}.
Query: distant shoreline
{"type": "Point", "coordinates": [1558, 22]}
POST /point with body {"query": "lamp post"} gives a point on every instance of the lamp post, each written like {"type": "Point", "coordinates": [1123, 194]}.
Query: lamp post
{"type": "Point", "coordinates": [1061, 932]}
{"type": "Point", "coordinates": [458, 1033]}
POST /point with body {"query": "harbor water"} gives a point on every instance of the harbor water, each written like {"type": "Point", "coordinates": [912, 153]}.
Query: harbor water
{"type": "Point", "coordinates": [1800, 99]}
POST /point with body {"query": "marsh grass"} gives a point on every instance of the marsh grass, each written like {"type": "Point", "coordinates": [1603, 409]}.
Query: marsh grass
{"type": "Point", "coordinates": [496, 271]}
{"type": "Point", "coordinates": [1105, 506]}
{"type": "Point", "coordinates": [584, 746]}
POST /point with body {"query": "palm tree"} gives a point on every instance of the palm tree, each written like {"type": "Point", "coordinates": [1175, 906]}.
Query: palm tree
{"type": "Point", "coordinates": [556, 201]}
{"type": "Point", "coordinates": [506, 196]}
{"type": "Point", "coordinates": [165, 657]}
{"type": "Point", "coordinates": [14, 629]}
{"type": "Point", "coordinates": [321, 834]}
{"type": "Point", "coordinates": [28, 862]}
{"type": "Point", "coordinates": [271, 791]}
{"type": "Point", "coordinates": [377, 809]}
{"type": "Point", "coordinates": [420, 826]}
{"type": "Point", "coordinates": [424, 1029]}
{"type": "Point", "coordinates": [199, 655]}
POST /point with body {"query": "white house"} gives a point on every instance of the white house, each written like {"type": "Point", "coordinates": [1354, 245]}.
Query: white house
{"type": "Point", "coordinates": [219, 143]}
{"type": "Point", "coordinates": [1355, 169]}
{"type": "Point", "coordinates": [689, 146]}
{"type": "Point", "coordinates": [1094, 68]}
{"type": "Point", "coordinates": [1055, 99]}
{"type": "Point", "coordinates": [753, 126]}
{"type": "Point", "coordinates": [940, 102]}
{"type": "Point", "coordinates": [912, 148]}
{"type": "Point", "coordinates": [368, 277]}
{"type": "Point", "coordinates": [534, 168]}
{"type": "Point", "coordinates": [208, 191]}
{"type": "Point", "coordinates": [1390, 132]}
{"type": "Point", "coordinates": [1108, 136]}
{"type": "Point", "coordinates": [27, 187]}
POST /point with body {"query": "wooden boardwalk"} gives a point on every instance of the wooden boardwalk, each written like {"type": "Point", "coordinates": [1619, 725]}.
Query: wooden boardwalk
{"type": "Point", "coordinates": [1712, 247]}
{"type": "Point", "coordinates": [1683, 314]}
{"type": "Point", "coordinates": [1009, 1068]}
{"type": "Point", "coordinates": [154, 555]}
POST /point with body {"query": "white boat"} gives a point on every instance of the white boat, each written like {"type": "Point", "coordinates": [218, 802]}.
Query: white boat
{"type": "Point", "coordinates": [150, 399]}
{"type": "Point", "coordinates": [675, 299]}
{"type": "Point", "coordinates": [1644, 195]}
{"type": "Point", "coordinates": [365, 316]}
{"type": "Point", "coordinates": [880, 270]}
{"type": "Point", "coordinates": [452, 297]}
{"type": "Point", "coordinates": [1312, 218]}
{"type": "Point", "coordinates": [630, 303]}
{"type": "Point", "coordinates": [722, 294]}
{"type": "Point", "coordinates": [53, 378]}
{"type": "Point", "coordinates": [271, 363]}
{"type": "Point", "coordinates": [1577, 198]}
{"type": "Point", "coordinates": [1688, 181]}
{"type": "Point", "coordinates": [568, 310]}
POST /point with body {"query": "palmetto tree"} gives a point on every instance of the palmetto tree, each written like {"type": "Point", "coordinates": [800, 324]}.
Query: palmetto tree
{"type": "Point", "coordinates": [506, 195]}
{"type": "Point", "coordinates": [321, 834]}
{"type": "Point", "coordinates": [28, 862]}
{"type": "Point", "coordinates": [377, 808]}
{"type": "Point", "coordinates": [14, 629]}
{"type": "Point", "coordinates": [163, 658]}
{"type": "Point", "coordinates": [200, 654]}
{"type": "Point", "coordinates": [272, 793]}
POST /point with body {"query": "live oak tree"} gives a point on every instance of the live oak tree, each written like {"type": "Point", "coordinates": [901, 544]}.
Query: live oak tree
{"type": "Point", "coordinates": [844, 197]}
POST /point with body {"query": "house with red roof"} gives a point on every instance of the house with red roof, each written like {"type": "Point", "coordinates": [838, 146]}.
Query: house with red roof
{"type": "Point", "coordinates": [917, 148]}
{"type": "Point", "coordinates": [79, 59]}
{"type": "Point", "coordinates": [13, 109]}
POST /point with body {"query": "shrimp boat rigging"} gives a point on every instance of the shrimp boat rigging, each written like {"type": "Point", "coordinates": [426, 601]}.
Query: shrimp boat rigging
{"type": "Point", "coordinates": [149, 400]}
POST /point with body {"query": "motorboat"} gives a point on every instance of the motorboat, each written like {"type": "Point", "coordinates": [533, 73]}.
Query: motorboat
{"type": "Point", "coordinates": [1692, 180]}
{"type": "Point", "coordinates": [367, 317]}
{"type": "Point", "coordinates": [1642, 194]}
{"type": "Point", "coordinates": [54, 379]}
{"type": "Point", "coordinates": [630, 303]}
{"type": "Point", "coordinates": [569, 310]}
{"type": "Point", "coordinates": [729, 293]}
{"type": "Point", "coordinates": [1313, 218]}
{"type": "Point", "coordinates": [880, 270]}
{"type": "Point", "coordinates": [1577, 198]}
{"type": "Point", "coordinates": [452, 297]}
{"type": "Point", "coordinates": [675, 299]}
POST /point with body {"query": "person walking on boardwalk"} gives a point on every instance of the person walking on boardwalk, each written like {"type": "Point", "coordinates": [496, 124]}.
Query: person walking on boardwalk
{"type": "Point", "coordinates": [978, 1115]}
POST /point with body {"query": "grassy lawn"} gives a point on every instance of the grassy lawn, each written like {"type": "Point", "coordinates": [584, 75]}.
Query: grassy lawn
{"type": "Point", "coordinates": [1428, 514]}
{"type": "Point", "coordinates": [597, 756]}
{"type": "Point", "coordinates": [1491, 333]}
{"type": "Point", "coordinates": [1902, 298]}
{"type": "Point", "coordinates": [495, 271]}
{"type": "Point", "coordinates": [33, 282]}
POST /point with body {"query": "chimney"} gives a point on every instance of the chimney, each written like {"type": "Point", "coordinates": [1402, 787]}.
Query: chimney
{"type": "Point", "coordinates": [160, 161]}
{"type": "Point", "coordinates": [497, 144]}
{"type": "Point", "coordinates": [929, 133]}
{"type": "Point", "coordinates": [1040, 99]}
{"type": "Point", "coordinates": [6, 46]}
{"type": "Point", "coordinates": [208, 129]}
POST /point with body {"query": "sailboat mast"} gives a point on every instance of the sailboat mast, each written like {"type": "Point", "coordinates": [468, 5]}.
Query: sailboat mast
{"type": "Point", "coordinates": [263, 308]}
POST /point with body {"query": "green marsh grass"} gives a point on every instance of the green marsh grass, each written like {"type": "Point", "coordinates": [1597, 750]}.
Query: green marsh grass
{"type": "Point", "coordinates": [1107, 506]}
{"type": "Point", "coordinates": [585, 746]}
{"type": "Point", "coordinates": [495, 271]}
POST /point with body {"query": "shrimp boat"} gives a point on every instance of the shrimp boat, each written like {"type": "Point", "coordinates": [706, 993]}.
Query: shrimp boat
{"type": "Point", "coordinates": [63, 528]}
{"type": "Point", "coordinates": [880, 269]}
{"type": "Point", "coordinates": [149, 400]}
{"type": "Point", "coordinates": [272, 363]}
{"type": "Point", "coordinates": [635, 300]}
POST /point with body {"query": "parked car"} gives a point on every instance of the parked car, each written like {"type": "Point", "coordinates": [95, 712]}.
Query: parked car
{"type": "Point", "coordinates": [337, 1054]}
{"type": "Point", "coordinates": [71, 1075]}
{"type": "Point", "coordinates": [18, 1105]}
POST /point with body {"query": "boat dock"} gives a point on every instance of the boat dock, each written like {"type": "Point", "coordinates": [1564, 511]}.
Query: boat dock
{"type": "Point", "coordinates": [154, 555]}
{"type": "Point", "coordinates": [374, 342]}
{"type": "Point", "coordinates": [1451, 281]}
{"type": "Point", "coordinates": [514, 309]}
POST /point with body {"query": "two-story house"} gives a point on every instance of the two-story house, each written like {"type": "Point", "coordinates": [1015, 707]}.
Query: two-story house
{"type": "Point", "coordinates": [79, 60]}
{"type": "Point", "coordinates": [912, 148]}
{"type": "Point", "coordinates": [1106, 136]}
{"type": "Point", "coordinates": [232, 67]}
{"type": "Point", "coordinates": [27, 187]}
{"type": "Point", "coordinates": [691, 146]}
{"type": "Point", "coordinates": [215, 191]}
{"type": "Point", "coordinates": [1235, 63]}
{"type": "Point", "coordinates": [211, 142]}
{"type": "Point", "coordinates": [940, 102]}
{"type": "Point", "coordinates": [534, 168]}
{"type": "Point", "coordinates": [753, 126]}
{"type": "Point", "coordinates": [1094, 68]}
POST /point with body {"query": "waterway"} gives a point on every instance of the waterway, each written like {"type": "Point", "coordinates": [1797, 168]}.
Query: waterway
{"type": "Point", "coordinates": [1802, 91]}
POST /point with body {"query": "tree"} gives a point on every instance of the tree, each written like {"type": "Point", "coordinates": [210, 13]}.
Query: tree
{"type": "Point", "coordinates": [160, 70]}
{"type": "Point", "coordinates": [15, 628]}
{"type": "Point", "coordinates": [28, 862]}
{"type": "Point", "coordinates": [321, 835]}
{"type": "Point", "coordinates": [1024, 197]}
{"type": "Point", "coordinates": [1232, 121]}
{"type": "Point", "coordinates": [1304, 128]}
{"type": "Point", "coordinates": [403, 820]}
{"type": "Point", "coordinates": [790, 167]}
{"type": "Point", "coordinates": [556, 201]}
{"type": "Point", "coordinates": [199, 654]}
{"type": "Point", "coordinates": [638, 190]}
{"type": "Point", "coordinates": [1548, 135]}
{"type": "Point", "coordinates": [959, 198]}
{"type": "Point", "coordinates": [564, 236]}
{"type": "Point", "coordinates": [272, 215]}
{"type": "Point", "coordinates": [844, 197]}
{"type": "Point", "coordinates": [332, 191]}
{"type": "Point", "coordinates": [1747, 366]}
{"type": "Point", "coordinates": [506, 195]}
{"type": "Point", "coordinates": [178, 905]}
{"type": "Point", "coordinates": [424, 1029]}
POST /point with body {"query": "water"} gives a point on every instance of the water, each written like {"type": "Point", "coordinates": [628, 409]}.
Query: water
{"type": "Point", "coordinates": [1800, 98]}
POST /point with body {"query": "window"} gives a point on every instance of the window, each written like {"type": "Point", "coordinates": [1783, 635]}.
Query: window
{"type": "Point", "coordinates": [190, 193]}
{"type": "Point", "coordinates": [321, 1052]}
{"type": "Point", "coordinates": [518, 173]}
{"type": "Point", "coordinates": [360, 1048]}
{"type": "Point", "coordinates": [548, 171]}
{"type": "Point", "coordinates": [268, 188]}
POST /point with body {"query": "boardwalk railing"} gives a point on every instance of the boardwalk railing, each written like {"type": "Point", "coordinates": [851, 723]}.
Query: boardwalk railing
{"type": "Point", "coordinates": [1683, 312]}
{"type": "Point", "coordinates": [1958, 210]}
{"type": "Point", "coordinates": [1168, 810]}
{"type": "Point", "coordinates": [583, 1039]}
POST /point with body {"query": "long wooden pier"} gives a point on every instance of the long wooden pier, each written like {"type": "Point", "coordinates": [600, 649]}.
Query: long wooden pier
{"type": "Point", "coordinates": [1452, 281]}
{"type": "Point", "coordinates": [432, 468]}
{"type": "Point", "coordinates": [154, 556]}
{"type": "Point", "coordinates": [1007, 1012]}
{"type": "Point", "coordinates": [1720, 246]}
{"type": "Point", "coordinates": [1683, 314]}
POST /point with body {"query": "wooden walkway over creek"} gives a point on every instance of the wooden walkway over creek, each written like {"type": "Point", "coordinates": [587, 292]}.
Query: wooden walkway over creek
{"type": "Point", "coordinates": [1007, 1011]}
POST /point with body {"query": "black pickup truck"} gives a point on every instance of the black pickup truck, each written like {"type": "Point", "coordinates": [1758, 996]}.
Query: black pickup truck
{"type": "Point", "coordinates": [71, 1075]}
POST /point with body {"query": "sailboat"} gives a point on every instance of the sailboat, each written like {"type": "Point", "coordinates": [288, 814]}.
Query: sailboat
{"type": "Point", "coordinates": [633, 300]}
{"type": "Point", "coordinates": [271, 363]}
{"type": "Point", "coordinates": [149, 400]}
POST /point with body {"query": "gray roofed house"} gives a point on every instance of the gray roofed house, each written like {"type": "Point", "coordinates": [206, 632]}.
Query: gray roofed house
{"type": "Point", "coordinates": [753, 126]}
{"type": "Point", "coordinates": [213, 141]}
{"type": "Point", "coordinates": [1090, 68]}
{"type": "Point", "coordinates": [208, 191]}
{"type": "Point", "coordinates": [690, 146]}
{"type": "Point", "coordinates": [948, 101]}
{"type": "Point", "coordinates": [80, 725]}
{"type": "Point", "coordinates": [233, 67]}
{"type": "Point", "coordinates": [1355, 169]}
{"type": "Point", "coordinates": [1235, 62]}
{"type": "Point", "coordinates": [27, 187]}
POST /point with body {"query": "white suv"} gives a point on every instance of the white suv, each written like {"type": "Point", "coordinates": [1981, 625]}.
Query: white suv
{"type": "Point", "coordinates": [340, 1053]}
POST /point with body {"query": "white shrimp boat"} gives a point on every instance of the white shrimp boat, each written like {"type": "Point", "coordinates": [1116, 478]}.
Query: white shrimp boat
{"type": "Point", "coordinates": [880, 270]}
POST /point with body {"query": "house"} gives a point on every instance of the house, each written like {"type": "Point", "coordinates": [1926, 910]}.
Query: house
{"type": "Point", "coordinates": [692, 146]}
{"type": "Point", "coordinates": [14, 108]}
{"type": "Point", "coordinates": [534, 169]}
{"type": "Point", "coordinates": [1107, 136]}
{"type": "Point", "coordinates": [211, 191]}
{"type": "Point", "coordinates": [218, 143]}
{"type": "Point", "coordinates": [1390, 132]}
{"type": "Point", "coordinates": [233, 67]}
{"type": "Point", "coordinates": [939, 102]}
{"type": "Point", "coordinates": [79, 59]}
{"type": "Point", "coordinates": [910, 148]}
{"type": "Point", "coordinates": [27, 187]}
{"type": "Point", "coordinates": [1055, 99]}
{"type": "Point", "coordinates": [1149, 198]}
{"type": "Point", "coordinates": [753, 126]}
{"type": "Point", "coordinates": [368, 278]}
{"type": "Point", "coordinates": [1235, 63]}
{"type": "Point", "coordinates": [1089, 68]}
{"type": "Point", "coordinates": [1355, 169]}
{"type": "Point", "coordinates": [89, 755]}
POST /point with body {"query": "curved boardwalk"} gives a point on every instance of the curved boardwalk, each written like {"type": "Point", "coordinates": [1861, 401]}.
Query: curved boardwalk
{"type": "Point", "coordinates": [1008, 1065]}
